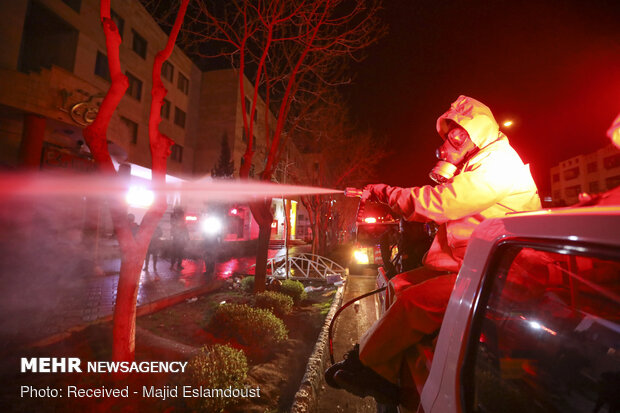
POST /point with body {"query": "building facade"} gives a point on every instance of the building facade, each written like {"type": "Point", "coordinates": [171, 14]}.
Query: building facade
{"type": "Point", "coordinates": [593, 173]}
{"type": "Point", "coordinates": [54, 75]}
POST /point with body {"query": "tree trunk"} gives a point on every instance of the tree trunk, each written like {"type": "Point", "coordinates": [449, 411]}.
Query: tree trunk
{"type": "Point", "coordinates": [124, 326]}
{"type": "Point", "coordinates": [262, 214]}
{"type": "Point", "coordinates": [133, 248]}
{"type": "Point", "coordinates": [262, 250]}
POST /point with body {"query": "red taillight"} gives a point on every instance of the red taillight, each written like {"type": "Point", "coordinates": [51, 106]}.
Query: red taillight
{"type": "Point", "coordinates": [370, 220]}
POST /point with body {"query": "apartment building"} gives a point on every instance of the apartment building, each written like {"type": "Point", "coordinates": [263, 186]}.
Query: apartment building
{"type": "Point", "coordinates": [54, 74]}
{"type": "Point", "coordinates": [221, 116]}
{"type": "Point", "coordinates": [593, 173]}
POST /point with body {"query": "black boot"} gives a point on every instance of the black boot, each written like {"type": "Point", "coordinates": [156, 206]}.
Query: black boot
{"type": "Point", "coordinates": [354, 377]}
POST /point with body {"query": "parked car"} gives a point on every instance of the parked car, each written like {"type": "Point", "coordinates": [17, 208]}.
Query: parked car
{"type": "Point", "coordinates": [533, 323]}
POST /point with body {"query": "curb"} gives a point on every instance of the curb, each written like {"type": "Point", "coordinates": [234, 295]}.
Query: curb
{"type": "Point", "coordinates": [141, 310]}
{"type": "Point", "coordinates": [306, 398]}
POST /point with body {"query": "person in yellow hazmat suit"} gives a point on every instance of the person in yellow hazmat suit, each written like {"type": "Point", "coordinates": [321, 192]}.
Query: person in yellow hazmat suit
{"type": "Point", "coordinates": [479, 176]}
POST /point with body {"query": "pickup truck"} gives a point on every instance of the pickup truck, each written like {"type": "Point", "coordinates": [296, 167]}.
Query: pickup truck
{"type": "Point", "coordinates": [533, 322]}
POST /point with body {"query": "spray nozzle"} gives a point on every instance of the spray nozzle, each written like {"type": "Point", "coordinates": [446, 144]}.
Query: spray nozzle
{"type": "Point", "coordinates": [353, 192]}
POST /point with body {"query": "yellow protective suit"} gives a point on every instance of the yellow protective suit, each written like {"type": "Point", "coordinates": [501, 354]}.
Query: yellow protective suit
{"type": "Point", "coordinates": [492, 183]}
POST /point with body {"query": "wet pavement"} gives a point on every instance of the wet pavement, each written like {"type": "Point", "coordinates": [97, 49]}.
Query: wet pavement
{"type": "Point", "coordinates": [53, 308]}
{"type": "Point", "coordinates": [349, 327]}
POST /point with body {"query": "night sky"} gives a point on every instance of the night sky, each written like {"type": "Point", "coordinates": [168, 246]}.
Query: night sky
{"type": "Point", "coordinates": [553, 67]}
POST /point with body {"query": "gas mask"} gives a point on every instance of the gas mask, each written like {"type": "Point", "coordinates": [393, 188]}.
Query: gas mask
{"type": "Point", "coordinates": [443, 170]}
{"type": "Point", "coordinates": [455, 150]}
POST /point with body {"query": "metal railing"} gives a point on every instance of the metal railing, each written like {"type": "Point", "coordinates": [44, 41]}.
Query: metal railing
{"type": "Point", "coordinates": [304, 266]}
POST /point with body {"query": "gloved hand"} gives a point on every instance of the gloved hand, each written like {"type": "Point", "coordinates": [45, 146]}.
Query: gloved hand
{"type": "Point", "coordinates": [375, 193]}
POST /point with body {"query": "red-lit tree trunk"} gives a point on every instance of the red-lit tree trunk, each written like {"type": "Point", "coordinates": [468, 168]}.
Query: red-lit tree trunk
{"type": "Point", "coordinates": [133, 249]}
{"type": "Point", "coordinates": [261, 211]}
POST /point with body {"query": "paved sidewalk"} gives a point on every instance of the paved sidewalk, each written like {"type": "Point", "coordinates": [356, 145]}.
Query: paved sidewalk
{"type": "Point", "coordinates": [51, 308]}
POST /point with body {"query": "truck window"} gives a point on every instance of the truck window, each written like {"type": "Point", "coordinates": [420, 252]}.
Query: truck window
{"type": "Point", "coordinates": [546, 335]}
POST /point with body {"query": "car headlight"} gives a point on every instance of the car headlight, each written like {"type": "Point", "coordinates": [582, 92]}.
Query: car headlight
{"type": "Point", "coordinates": [361, 257]}
{"type": "Point", "coordinates": [211, 225]}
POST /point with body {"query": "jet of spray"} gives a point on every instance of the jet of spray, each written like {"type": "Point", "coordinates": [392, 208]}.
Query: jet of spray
{"type": "Point", "coordinates": [28, 185]}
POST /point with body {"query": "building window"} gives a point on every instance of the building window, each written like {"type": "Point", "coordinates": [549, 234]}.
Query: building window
{"type": "Point", "coordinates": [248, 105]}
{"type": "Point", "coordinates": [101, 66]}
{"type": "Point", "coordinates": [119, 21]}
{"type": "Point", "coordinates": [556, 177]}
{"type": "Point", "coordinates": [132, 129]}
{"type": "Point", "coordinates": [612, 181]}
{"type": "Point", "coordinates": [572, 191]}
{"type": "Point", "coordinates": [540, 332]}
{"type": "Point", "coordinates": [135, 86]}
{"type": "Point", "coordinates": [46, 40]}
{"type": "Point", "coordinates": [179, 117]}
{"type": "Point", "coordinates": [611, 162]}
{"type": "Point", "coordinates": [592, 167]}
{"type": "Point", "coordinates": [593, 186]}
{"type": "Point", "coordinates": [571, 173]}
{"type": "Point", "coordinates": [183, 83]}
{"type": "Point", "coordinates": [167, 71]}
{"type": "Point", "coordinates": [165, 109]}
{"type": "Point", "coordinates": [177, 153]}
{"type": "Point", "coordinates": [74, 4]}
{"type": "Point", "coordinates": [139, 44]}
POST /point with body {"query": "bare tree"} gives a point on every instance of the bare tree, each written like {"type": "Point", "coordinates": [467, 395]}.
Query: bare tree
{"type": "Point", "coordinates": [338, 156]}
{"type": "Point", "coordinates": [281, 46]}
{"type": "Point", "coordinates": [133, 248]}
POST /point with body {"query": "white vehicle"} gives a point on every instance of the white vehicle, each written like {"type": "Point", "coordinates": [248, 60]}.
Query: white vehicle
{"type": "Point", "coordinates": [533, 323]}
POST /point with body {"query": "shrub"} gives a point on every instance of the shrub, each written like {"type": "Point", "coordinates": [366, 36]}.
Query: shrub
{"type": "Point", "coordinates": [247, 284]}
{"type": "Point", "coordinates": [280, 304]}
{"type": "Point", "coordinates": [256, 328]}
{"type": "Point", "coordinates": [293, 289]}
{"type": "Point", "coordinates": [216, 367]}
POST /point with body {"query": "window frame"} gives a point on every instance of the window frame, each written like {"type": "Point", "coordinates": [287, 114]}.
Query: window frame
{"type": "Point", "coordinates": [131, 76]}
{"type": "Point", "coordinates": [126, 121]}
{"type": "Point", "coordinates": [141, 42]}
{"type": "Point", "coordinates": [178, 110]}
{"type": "Point", "coordinates": [163, 72]}
{"type": "Point", "coordinates": [174, 150]}
{"type": "Point", "coordinates": [106, 75]}
{"type": "Point", "coordinates": [184, 89]}
{"type": "Point", "coordinates": [75, 5]}
{"type": "Point", "coordinates": [165, 104]}
{"type": "Point", "coordinates": [467, 368]}
{"type": "Point", "coordinates": [117, 18]}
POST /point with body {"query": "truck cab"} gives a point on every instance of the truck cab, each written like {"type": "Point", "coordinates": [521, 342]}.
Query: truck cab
{"type": "Point", "coordinates": [533, 322]}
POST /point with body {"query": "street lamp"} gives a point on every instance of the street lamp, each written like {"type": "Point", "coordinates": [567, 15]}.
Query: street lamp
{"type": "Point", "coordinates": [508, 123]}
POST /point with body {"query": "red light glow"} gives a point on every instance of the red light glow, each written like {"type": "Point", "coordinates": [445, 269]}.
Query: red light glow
{"type": "Point", "coordinates": [370, 220]}
{"type": "Point", "coordinates": [233, 211]}
{"type": "Point", "coordinates": [191, 218]}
